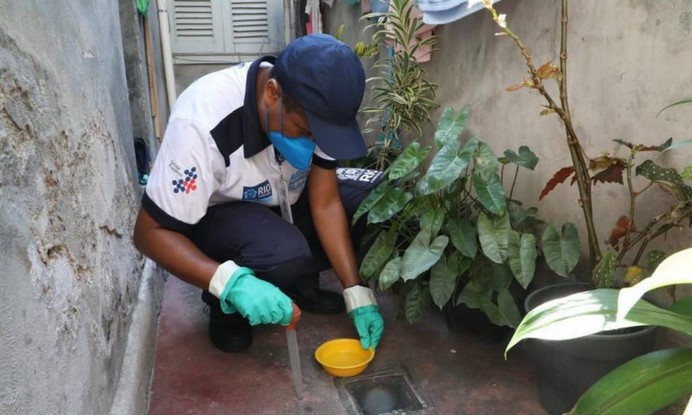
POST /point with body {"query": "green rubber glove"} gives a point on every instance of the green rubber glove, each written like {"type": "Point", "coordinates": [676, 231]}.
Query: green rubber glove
{"type": "Point", "coordinates": [362, 307]}
{"type": "Point", "coordinates": [257, 300]}
{"type": "Point", "coordinates": [369, 324]}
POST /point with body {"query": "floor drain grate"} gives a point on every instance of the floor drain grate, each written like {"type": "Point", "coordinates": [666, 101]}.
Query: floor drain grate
{"type": "Point", "coordinates": [383, 393]}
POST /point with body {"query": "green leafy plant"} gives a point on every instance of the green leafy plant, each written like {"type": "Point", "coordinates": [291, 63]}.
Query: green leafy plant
{"type": "Point", "coordinates": [624, 259]}
{"type": "Point", "coordinates": [451, 226]}
{"type": "Point", "coordinates": [403, 98]}
{"type": "Point", "coordinates": [644, 384]}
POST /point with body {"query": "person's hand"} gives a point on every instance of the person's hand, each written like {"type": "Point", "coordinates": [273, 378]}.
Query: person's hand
{"type": "Point", "coordinates": [257, 300]}
{"type": "Point", "coordinates": [362, 307]}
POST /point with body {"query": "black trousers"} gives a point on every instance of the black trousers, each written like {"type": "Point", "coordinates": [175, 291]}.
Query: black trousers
{"type": "Point", "coordinates": [256, 236]}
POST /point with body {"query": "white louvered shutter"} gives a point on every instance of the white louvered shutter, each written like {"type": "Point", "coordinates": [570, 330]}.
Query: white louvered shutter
{"type": "Point", "coordinates": [197, 26]}
{"type": "Point", "coordinates": [242, 29]}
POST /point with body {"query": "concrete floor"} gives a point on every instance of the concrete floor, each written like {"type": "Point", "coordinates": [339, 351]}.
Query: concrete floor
{"type": "Point", "coordinates": [454, 372]}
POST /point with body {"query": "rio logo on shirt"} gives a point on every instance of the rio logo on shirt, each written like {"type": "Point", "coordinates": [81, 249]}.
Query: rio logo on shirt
{"type": "Point", "coordinates": [262, 191]}
{"type": "Point", "coordinates": [188, 184]}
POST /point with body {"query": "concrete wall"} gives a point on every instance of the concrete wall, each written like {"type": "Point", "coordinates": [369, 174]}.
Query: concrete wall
{"type": "Point", "coordinates": [69, 274]}
{"type": "Point", "coordinates": [625, 63]}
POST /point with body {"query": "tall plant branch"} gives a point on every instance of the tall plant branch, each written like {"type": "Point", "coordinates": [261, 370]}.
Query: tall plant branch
{"type": "Point", "coordinates": [576, 152]}
{"type": "Point", "coordinates": [633, 199]}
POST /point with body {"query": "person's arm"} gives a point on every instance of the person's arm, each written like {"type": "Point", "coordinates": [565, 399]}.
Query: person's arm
{"type": "Point", "coordinates": [331, 224]}
{"type": "Point", "coordinates": [173, 251]}
{"type": "Point", "coordinates": [332, 228]}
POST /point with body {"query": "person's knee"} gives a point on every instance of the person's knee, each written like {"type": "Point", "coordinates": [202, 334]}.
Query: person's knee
{"type": "Point", "coordinates": [286, 273]}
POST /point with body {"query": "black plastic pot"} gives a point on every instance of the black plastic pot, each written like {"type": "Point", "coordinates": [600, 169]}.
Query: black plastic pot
{"type": "Point", "coordinates": [566, 369]}
{"type": "Point", "coordinates": [460, 318]}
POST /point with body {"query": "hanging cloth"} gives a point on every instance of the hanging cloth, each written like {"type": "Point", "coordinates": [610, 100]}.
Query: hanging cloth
{"type": "Point", "coordinates": [447, 11]}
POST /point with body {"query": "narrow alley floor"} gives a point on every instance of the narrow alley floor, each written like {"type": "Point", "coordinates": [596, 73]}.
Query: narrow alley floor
{"type": "Point", "coordinates": [449, 372]}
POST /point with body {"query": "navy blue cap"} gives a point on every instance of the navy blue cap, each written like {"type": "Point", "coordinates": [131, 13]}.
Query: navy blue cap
{"type": "Point", "coordinates": [326, 78]}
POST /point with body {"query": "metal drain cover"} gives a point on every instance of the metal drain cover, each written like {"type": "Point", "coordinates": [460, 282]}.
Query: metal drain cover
{"type": "Point", "coordinates": [384, 393]}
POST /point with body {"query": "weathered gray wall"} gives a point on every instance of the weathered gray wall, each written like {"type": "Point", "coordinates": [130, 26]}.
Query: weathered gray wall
{"type": "Point", "coordinates": [626, 60]}
{"type": "Point", "coordinates": [69, 272]}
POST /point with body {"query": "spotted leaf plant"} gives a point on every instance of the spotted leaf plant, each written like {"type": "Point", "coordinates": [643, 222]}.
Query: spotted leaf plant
{"type": "Point", "coordinates": [449, 227]}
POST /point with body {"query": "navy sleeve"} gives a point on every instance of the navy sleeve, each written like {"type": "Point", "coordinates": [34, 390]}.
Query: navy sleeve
{"type": "Point", "coordinates": [324, 163]}
{"type": "Point", "coordinates": [163, 218]}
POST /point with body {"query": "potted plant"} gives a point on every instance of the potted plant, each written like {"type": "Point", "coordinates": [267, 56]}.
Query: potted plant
{"type": "Point", "coordinates": [625, 258]}
{"type": "Point", "coordinates": [644, 384]}
{"type": "Point", "coordinates": [451, 227]}
{"type": "Point", "coordinates": [403, 97]}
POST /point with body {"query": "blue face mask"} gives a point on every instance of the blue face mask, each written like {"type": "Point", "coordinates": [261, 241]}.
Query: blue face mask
{"type": "Point", "coordinates": [296, 150]}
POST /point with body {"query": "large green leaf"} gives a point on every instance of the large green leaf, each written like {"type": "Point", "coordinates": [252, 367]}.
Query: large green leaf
{"type": "Point", "coordinates": [446, 167]}
{"type": "Point", "coordinates": [458, 263]}
{"type": "Point", "coordinates": [431, 221]}
{"type": "Point", "coordinates": [562, 249]}
{"type": "Point", "coordinates": [450, 126]}
{"type": "Point", "coordinates": [521, 255]}
{"type": "Point", "coordinates": [409, 159]}
{"type": "Point", "coordinates": [391, 273]}
{"type": "Point", "coordinates": [463, 236]}
{"type": "Point", "coordinates": [676, 269]}
{"type": "Point", "coordinates": [485, 161]}
{"type": "Point", "coordinates": [379, 253]}
{"type": "Point", "coordinates": [371, 200]}
{"type": "Point", "coordinates": [508, 308]}
{"type": "Point", "coordinates": [683, 306]}
{"type": "Point", "coordinates": [392, 202]}
{"type": "Point", "coordinates": [474, 299]}
{"type": "Point", "coordinates": [488, 277]}
{"type": "Point", "coordinates": [443, 280]}
{"type": "Point", "coordinates": [493, 234]}
{"type": "Point", "coordinates": [526, 158]}
{"type": "Point", "coordinates": [417, 300]}
{"type": "Point", "coordinates": [490, 193]}
{"type": "Point", "coordinates": [642, 385]}
{"type": "Point", "coordinates": [591, 312]}
{"type": "Point", "coordinates": [421, 255]}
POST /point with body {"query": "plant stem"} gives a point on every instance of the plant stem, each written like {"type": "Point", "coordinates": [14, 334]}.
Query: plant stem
{"type": "Point", "coordinates": [514, 181]}
{"type": "Point", "coordinates": [633, 197]}
{"type": "Point", "coordinates": [576, 152]}
{"type": "Point", "coordinates": [580, 166]}
{"type": "Point", "coordinates": [647, 235]}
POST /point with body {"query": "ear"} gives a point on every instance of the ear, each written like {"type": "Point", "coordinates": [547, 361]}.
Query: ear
{"type": "Point", "coordinates": [271, 92]}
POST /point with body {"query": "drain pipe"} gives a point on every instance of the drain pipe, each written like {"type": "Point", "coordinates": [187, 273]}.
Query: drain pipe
{"type": "Point", "coordinates": [165, 33]}
{"type": "Point", "coordinates": [289, 18]}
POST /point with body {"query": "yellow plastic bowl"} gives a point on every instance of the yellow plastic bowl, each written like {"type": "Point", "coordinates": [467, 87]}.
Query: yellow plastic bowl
{"type": "Point", "coordinates": [344, 357]}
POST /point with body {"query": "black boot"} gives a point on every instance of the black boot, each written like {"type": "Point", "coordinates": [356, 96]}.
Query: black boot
{"type": "Point", "coordinates": [310, 298]}
{"type": "Point", "coordinates": [229, 333]}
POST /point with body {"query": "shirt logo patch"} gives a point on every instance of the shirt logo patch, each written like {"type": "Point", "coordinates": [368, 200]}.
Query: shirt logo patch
{"type": "Point", "coordinates": [188, 184]}
{"type": "Point", "coordinates": [359, 175]}
{"type": "Point", "coordinates": [262, 191]}
{"type": "Point", "coordinates": [297, 180]}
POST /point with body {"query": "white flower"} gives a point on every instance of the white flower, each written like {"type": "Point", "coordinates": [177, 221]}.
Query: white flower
{"type": "Point", "coordinates": [502, 20]}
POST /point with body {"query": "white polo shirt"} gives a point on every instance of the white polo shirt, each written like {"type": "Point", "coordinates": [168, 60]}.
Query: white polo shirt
{"type": "Point", "coordinates": [214, 152]}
